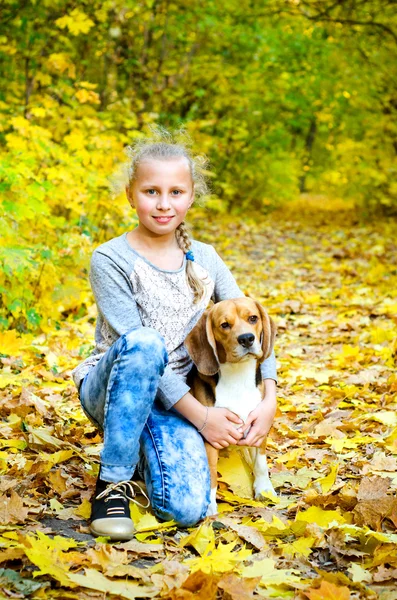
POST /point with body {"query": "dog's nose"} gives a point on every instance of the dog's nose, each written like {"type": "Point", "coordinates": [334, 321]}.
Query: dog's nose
{"type": "Point", "coordinates": [246, 339]}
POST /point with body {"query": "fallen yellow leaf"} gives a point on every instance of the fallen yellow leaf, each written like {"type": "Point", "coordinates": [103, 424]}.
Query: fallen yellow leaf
{"type": "Point", "coordinates": [94, 580]}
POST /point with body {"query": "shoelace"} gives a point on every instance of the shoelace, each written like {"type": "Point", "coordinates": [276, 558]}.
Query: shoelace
{"type": "Point", "coordinates": [123, 490]}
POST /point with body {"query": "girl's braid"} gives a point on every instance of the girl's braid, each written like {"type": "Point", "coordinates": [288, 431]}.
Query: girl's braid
{"type": "Point", "coordinates": [195, 283]}
{"type": "Point", "coordinates": [182, 237]}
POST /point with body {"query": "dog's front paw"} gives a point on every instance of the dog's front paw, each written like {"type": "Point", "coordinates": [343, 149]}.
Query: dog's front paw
{"type": "Point", "coordinates": [212, 507]}
{"type": "Point", "coordinates": [263, 486]}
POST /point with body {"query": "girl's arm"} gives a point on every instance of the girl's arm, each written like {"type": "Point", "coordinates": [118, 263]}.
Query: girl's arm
{"type": "Point", "coordinates": [114, 297]}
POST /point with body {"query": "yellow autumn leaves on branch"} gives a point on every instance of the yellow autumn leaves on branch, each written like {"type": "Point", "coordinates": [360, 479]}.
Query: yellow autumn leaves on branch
{"type": "Point", "coordinates": [76, 22]}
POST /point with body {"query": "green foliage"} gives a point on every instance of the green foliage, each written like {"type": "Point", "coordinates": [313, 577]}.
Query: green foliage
{"type": "Point", "coordinates": [282, 96]}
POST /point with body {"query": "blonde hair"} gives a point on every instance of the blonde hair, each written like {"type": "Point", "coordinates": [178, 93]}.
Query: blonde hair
{"type": "Point", "coordinates": [162, 145]}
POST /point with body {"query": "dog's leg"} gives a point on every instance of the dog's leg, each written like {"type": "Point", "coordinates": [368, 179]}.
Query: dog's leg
{"type": "Point", "coordinates": [262, 481]}
{"type": "Point", "coordinates": [212, 455]}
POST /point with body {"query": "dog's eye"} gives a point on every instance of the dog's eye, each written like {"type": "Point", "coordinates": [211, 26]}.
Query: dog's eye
{"type": "Point", "coordinates": [225, 325]}
{"type": "Point", "coordinates": [253, 319]}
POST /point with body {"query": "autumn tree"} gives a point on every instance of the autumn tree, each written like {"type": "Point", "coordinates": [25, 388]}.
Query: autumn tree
{"type": "Point", "coordinates": [283, 96]}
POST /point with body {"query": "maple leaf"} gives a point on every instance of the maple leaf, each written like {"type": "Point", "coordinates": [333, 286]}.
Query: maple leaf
{"type": "Point", "coordinates": [384, 574]}
{"type": "Point", "coordinates": [328, 591]}
{"type": "Point", "coordinates": [148, 522]}
{"type": "Point", "coordinates": [359, 575]}
{"type": "Point", "coordinates": [239, 500]}
{"type": "Point", "coordinates": [198, 586]}
{"type": "Point", "coordinates": [328, 481]}
{"type": "Point", "coordinates": [269, 574]}
{"type": "Point", "coordinates": [7, 379]}
{"type": "Point", "coordinates": [200, 538]}
{"type": "Point", "coordinates": [237, 588]}
{"type": "Point", "coordinates": [218, 559]}
{"type": "Point", "coordinates": [373, 488]}
{"type": "Point", "coordinates": [380, 462]}
{"type": "Point", "coordinates": [10, 343]}
{"type": "Point", "coordinates": [324, 518]}
{"type": "Point", "coordinates": [248, 534]}
{"type": "Point", "coordinates": [12, 509]}
{"type": "Point", "coordinates": [48, 554]}
{"type": "Point", "coordinates": [94, 580]}
{"type": "Point", "coordinates": [302, 546]}
{"type": "Point", "coordinates": [84, 510]}
{"type": "Point", "coordinates": [373, 512]}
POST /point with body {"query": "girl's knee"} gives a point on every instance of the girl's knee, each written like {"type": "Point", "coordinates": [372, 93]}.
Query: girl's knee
{"type": "Point", "coordinates": [184, 512]}
{"type": "Point", "coordinates": [146, 341]}
{"type": "Point", "coordinates": [143, 337]}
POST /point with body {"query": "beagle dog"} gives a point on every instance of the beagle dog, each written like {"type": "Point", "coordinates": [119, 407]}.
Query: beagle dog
{"type": "Point", "coordinates": [227, 347]}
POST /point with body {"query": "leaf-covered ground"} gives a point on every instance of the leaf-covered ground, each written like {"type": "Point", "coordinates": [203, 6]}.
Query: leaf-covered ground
{"type": "Point", "coordinates": [330, 283]}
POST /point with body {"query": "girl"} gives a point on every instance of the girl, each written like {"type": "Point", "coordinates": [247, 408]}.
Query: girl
{"type": "Point", "coordinates": [151, 285]}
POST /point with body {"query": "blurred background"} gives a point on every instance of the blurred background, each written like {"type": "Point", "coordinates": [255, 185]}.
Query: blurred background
{"type": "Point", "coordinates": [288, 99]}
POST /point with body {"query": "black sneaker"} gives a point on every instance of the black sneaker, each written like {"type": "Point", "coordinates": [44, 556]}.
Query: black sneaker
{"type": "Point", "coordinates": [110, 515]}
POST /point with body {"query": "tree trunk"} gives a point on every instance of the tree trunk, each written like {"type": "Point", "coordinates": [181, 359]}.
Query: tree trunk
{"type": "Point", "coordinates": [311, 134]}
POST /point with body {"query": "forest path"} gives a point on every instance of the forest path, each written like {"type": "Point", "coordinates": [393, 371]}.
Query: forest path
{"type": "Point", "coordinates": [330, 284]}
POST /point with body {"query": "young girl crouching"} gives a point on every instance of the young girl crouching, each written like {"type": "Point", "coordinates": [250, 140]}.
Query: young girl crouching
{"type": "Point", "coordinates": [151, 286]}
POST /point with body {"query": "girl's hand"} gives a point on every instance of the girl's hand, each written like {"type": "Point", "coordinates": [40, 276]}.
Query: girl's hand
{"type": "Point", "coordinates": [260, 420]}
{"type": "Point", "coordinates": [221, 429]}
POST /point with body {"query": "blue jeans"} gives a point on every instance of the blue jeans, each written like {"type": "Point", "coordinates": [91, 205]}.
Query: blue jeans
{"type": "Point", "coordinates": [119, 397]}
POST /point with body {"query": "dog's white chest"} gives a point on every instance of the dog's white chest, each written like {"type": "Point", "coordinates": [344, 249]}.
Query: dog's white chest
{"type": "Point", "coordinates": [236, 389]}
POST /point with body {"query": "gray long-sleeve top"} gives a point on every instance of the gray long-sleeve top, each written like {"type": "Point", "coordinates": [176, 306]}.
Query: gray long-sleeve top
{"type": "Point", "coordinates": [131, 292]}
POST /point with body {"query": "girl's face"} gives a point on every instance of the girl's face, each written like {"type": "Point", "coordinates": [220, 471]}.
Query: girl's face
{"type": "Point", "coordinates": [161, 193]}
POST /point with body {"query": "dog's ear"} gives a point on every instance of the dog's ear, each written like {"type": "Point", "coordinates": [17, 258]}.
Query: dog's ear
{"type": "Point", "coordinates": [268, 332]}
{"type": "Point", "coordinates": [200, 343]}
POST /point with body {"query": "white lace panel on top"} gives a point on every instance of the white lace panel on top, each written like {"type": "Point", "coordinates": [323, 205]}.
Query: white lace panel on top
{"type": "Point", "coordinates": [165, 303]}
